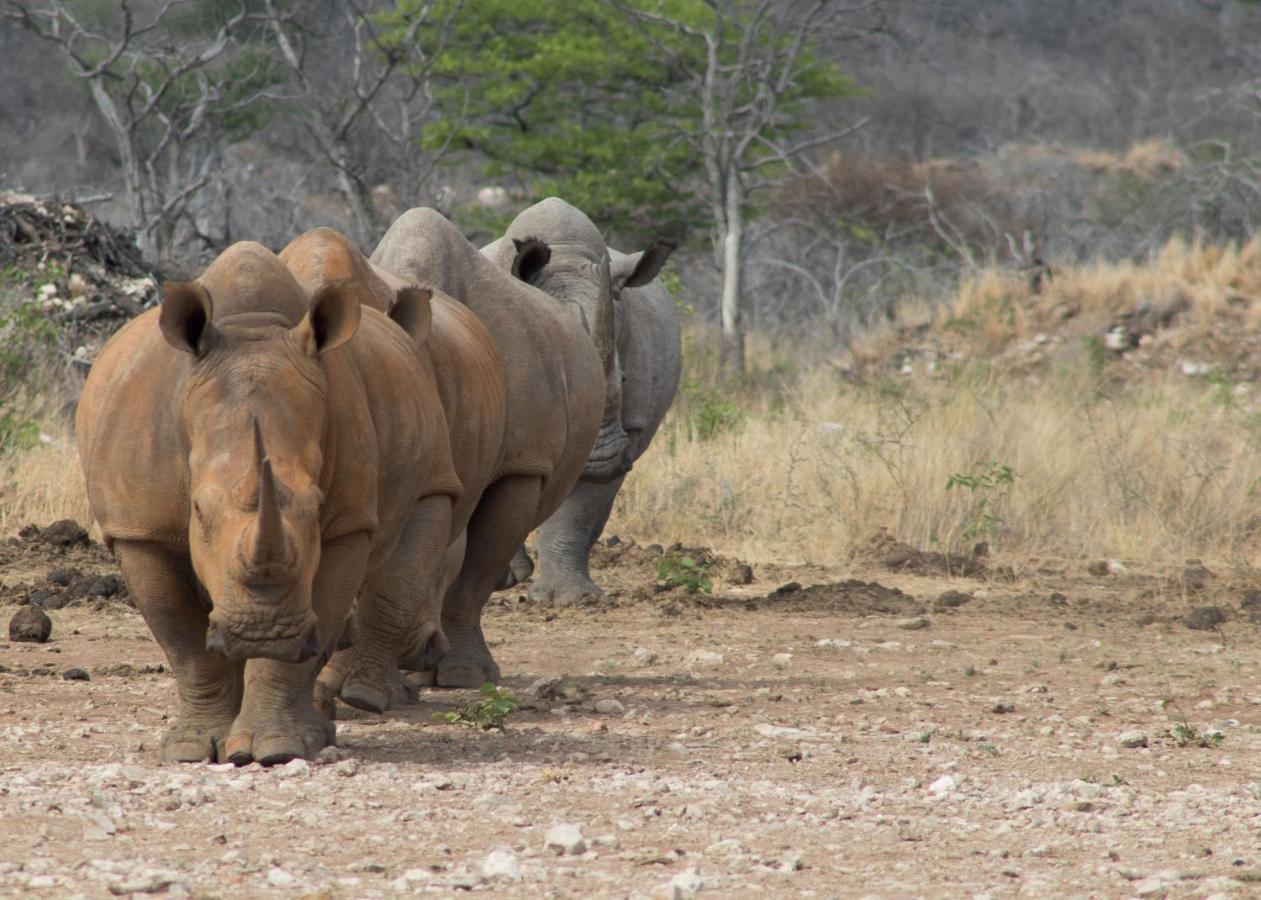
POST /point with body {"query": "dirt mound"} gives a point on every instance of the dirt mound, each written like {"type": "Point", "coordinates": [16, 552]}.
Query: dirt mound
{"type": "Point", "coordinates": [849, 597]}
{"type": "Point", "coordinates": [617, 551]}
{"type": "Point", "coordinates": [58, 566]}
{"type": "Point", "coordinates": [888, 552]}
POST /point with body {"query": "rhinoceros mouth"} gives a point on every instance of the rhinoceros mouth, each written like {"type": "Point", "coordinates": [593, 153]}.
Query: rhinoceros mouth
{"type": "Point", "coordinates": [292, 648]}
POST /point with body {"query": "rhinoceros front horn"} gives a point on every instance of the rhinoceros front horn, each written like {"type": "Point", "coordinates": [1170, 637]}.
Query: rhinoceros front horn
{"type": "Point", "coordinates": [269, 533]}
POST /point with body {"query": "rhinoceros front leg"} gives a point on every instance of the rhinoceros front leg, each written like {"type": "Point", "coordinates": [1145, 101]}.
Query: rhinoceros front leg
{"type": "Point", "coordinates": [209, 685]}
{"type": "Point", "coordinates": [565, 541]}
{"type": "Point", "coordinates": [499, 525]}
{"type": "Point", "coordinates": [399, 608]}
{"type": "Point", "coordinates": [279, 720]}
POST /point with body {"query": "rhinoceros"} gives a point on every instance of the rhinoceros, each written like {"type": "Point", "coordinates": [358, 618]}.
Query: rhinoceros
{"type": "Point", "coordinates": [254, 460]}
{"type": "Point", "coordinates": [558, 357]}
{"type": "Point", "coordinates": [460, 359]}
{"type": "Point", "coordinates": [649, 357]}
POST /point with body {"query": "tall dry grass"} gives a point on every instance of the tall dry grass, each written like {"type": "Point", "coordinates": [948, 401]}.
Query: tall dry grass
{"type": "Point", "coordinates": [1165, 470]}
{"type": "Point", "coordinates": [42, 484]}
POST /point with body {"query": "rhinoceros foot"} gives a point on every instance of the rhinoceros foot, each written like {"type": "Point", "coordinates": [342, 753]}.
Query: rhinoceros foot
{"type": "Point", "coordinates": [274, 740]}
{"type": "Point", "coordinates": [194, 739]}
{"type": "Point", "coordinates": [467, 664]}
{"type": "Point", "coordinates": [377, 691]}
{"type": "Point", "coordinates": [565, 589]}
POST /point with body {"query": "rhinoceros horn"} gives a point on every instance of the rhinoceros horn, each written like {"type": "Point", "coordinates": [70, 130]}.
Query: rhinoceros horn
{"type": "Point", "coordinates": [603, 331]}
{"type": "Point", "coordinates": [269, 533]}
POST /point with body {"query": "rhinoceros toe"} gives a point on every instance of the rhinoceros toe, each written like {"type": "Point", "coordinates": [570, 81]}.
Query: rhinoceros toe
{"type": "Point", "coordinates": [565, 590]}
{"type": "Point", "coordinates": [193, 740]}
{"type": "Point", "coordinates": [275, 743]}
{"type": "Point", "coordinates": [377, 692]}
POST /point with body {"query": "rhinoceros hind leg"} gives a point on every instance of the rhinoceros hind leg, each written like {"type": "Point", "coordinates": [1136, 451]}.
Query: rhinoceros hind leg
{"type": "Point", "coordinates": [504, 516]}
{"type": "Point", "coordinates": [565, 545]}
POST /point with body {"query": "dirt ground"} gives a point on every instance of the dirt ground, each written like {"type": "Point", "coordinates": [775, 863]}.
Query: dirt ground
{"type": "Point", "coordinates": [1056, 728]}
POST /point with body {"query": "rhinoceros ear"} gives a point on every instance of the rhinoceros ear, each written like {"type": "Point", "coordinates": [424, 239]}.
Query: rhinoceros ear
{"type": "Point", "coordinates": [411, 310]}
{"type": "Point", "coordinates": [331, 321]}
{"type": "Point", "coordinates": [532, 256]}
{"type": "Point", "coordinates": [638, 269]}
{"type": "Point", "coordinates": [185, 316]}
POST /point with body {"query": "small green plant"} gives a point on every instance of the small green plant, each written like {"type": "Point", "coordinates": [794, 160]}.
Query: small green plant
{"type": "Point", "coordinates": [680, 570]}
{"type": "Point", "coordinates": [1184, 734]}
{"type": "Point", "coordinates": [986, 488]}
{"type": "Point", "coordinates": [490, 712]}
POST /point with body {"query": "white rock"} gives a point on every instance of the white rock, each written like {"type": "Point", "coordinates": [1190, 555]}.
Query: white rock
{"type": "Point", "coordinates": [781, 660]}
{"type": "Point", "coordinates": [912, 624]}
{"type": "Point", "coordinates": [610, 707]}
{"type": "Point", "coordinates": [295, 768]}
{"type": "Point", "coordinates": [944, 785]}
{"type": "Point", "coordinates": [704, 659]}
{"type": "Point", "coordinates": [549, 687]}
{"type": "Point", "coordinates": [644, 656]}
{"type": "Point", "coordinates": [783, 731]}
{"type": "Point", "coordinates": [502, 865]}
{"type": "Point", "coordinates": [686, 884]}
{"type": "Point", "coordinates": [278, 877]}
{"type": "Point", "coordinates": [1132, 740]}
{"type": "Point", "coordinates": [1116, 567]}
{"type": "Point", "coordinates": [833, 643]}
{"type": "Point", "coordinates": [565, 840]}
{"type": "Point", "coordinates": [792, 861]}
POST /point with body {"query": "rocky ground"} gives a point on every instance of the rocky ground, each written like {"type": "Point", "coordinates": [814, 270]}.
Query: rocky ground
{"type": "Point", "coordinates": [1047, 728]}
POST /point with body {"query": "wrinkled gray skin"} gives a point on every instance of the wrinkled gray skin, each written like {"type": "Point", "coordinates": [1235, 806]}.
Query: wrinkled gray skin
{"type": "Point", "coordinates": [650, 358]}
{"type": "Point", "coordinates": [558, 359]}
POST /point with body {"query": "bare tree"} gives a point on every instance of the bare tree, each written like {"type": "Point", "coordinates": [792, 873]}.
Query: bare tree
{"type": "Point", "coordinates": [756, 70]}
{"type": "Point", "coordinates": [377, 100]}
{"type": "Point", "coordinates": [161, 94]}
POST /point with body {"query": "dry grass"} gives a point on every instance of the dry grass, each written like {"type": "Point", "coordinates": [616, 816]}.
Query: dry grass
{"type": "Point", "coordinates": [42, 484]}
{"type": "Point", "coordinates": [1157, 471]}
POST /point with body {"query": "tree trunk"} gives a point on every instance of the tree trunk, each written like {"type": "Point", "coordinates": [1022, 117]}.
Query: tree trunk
{"type": "Point", "coordinates": [731, 350]}
{"type": "Point", "coordinates": [133, 178]}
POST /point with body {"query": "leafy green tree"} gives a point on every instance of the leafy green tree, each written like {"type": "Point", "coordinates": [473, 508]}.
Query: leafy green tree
{"type": "Point", "coordinates": [652, 115]}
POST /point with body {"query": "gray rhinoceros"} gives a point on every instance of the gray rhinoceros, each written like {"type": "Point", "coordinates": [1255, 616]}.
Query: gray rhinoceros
{"type": "Point", "coordinates": [558, 359]}
{"type": "Point", "coordinates": [255, 460]}
{"type": "Point", "coordinates": [650, 358]}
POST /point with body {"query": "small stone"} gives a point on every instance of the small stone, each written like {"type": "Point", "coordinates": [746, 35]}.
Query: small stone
{"type": "Point", "coordinates": [687, 883]}
{"type": "Point", "coordinates": [549, 687]}
{"type": "Point", "coordinates": [278, 877]}
{"type": "Point", "coordinates": [347, 768]}
{"type": "Point", "coordinates": [912, 624]}
{"type": "Point", "coordinates": [782, 660]}
{"type": "Point", "coordinates": [1205, 618]}
{"type": "Point", "coordinates": [565, 840]}
{"type": "Point", "coordinates": [1132, 740]}
{"type": "Point", "coordinates": [30, 624]}
{"type": "Point", "coordinates": [944, 785]}
{"type": "Point", "coordinates": [951, 600]}
{"type": "Point", "coordinates": [610, 707]}
{"type": "Point", "coordinates": [792, 861]}
{"type": "Point", "coordinates": [704, 659]}
{"type": "Point", "coordinates": [331, 754]}
{"type": "Point", "coordinates": [76, 674]}
{"type": "Point", "coordinates": [295, 768]}
{"type": "Point", "coordinates": [501, 865]}
{"type": "Point", "coordinates": [740, 573]}
{"type": "Point", "coordinates": [790, 588]}
{"type": "Point", "coordinates": [62, 577]}
{"type": "Point", "coordinates": [1098, 568]}
{"type": "Point", "coordinates": [644, 656]}
{"type": "Point", "coordinates": [1116, 567]}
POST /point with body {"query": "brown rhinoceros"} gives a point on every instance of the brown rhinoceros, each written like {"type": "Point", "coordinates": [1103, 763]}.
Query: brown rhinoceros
{"type": "Point", "coordinates": [461, 360]}
{"type": "Point", "coordinates": [255, 460]}
{"type": "Point", "coordinates": [557, 359]}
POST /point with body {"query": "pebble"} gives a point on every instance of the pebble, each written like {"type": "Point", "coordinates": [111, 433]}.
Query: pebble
{"type": "Point", "coordinates": [913, 624]}
{"type": "Point", "coordinates": [1132, 740]}
{"type": "Point", "coordinates": [644, 656]}
{"type": "Point", "coordinates": [295, 768]}
{"type": "Point", "coordinates": [782, 660]}
{"type": "Point", "coordinates": [610, 707]}
{"type": "Point", "coordinates": [31, 625]}
{"type": "Point", "coordinates": [944, 785]}
{"type": "Point", "coordinates": [549, 687]}
{"type": "Point", "coordinates": [501, 865]}
{"type": "Point", "coordinates": [76, 674]}
{"type": "Point", "coordinates": [278, 877]}
{"type": "Point", "coordinates": [687, 883]}
{"type": "Point", "coordinates": [704, 659]}
{"type": "Point", "coordinates": [565, 840]}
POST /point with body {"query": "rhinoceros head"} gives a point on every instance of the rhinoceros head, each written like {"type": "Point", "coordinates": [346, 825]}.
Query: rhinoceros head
{"type": "Point", "coordinates": [253, 414]}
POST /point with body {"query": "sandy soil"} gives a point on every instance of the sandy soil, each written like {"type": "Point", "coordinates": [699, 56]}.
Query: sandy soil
{"type": "Point", "coordinates": [1057, 734]}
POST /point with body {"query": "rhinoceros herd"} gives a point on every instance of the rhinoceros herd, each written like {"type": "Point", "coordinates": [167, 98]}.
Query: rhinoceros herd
{"type": "Point", "coordinates": [314, 468]}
